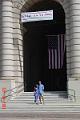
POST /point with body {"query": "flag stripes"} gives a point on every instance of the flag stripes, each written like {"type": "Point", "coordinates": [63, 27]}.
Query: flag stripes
{"type": "Point", "coordinates": [56, 48]}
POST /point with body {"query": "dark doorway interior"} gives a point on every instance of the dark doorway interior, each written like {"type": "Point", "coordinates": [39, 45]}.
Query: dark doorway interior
{"type": "Point", "coordinates": [36, 46]}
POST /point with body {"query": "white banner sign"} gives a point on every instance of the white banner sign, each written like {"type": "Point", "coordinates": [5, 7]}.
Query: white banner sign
{"type": "Point", "coordinates": [37, 16]}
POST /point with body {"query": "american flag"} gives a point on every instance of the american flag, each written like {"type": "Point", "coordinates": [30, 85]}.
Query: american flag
{"type": "Point", "coordinates": [56, 48]}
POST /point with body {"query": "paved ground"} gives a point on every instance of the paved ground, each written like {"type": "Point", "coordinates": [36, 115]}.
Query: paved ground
{"type": "Point", "coordinates": [41, 116]}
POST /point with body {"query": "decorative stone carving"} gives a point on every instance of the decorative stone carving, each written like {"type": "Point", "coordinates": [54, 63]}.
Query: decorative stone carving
{"type": "Point", "coordinates": [6, 0]}
{"type": "Point", "coordinates": [19, 3]}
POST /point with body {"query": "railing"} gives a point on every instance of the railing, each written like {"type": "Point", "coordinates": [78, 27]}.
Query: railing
{"type": "Point", "coordinates": [11, 92]}
{"type": "Point", "coordinates": [72, 94]}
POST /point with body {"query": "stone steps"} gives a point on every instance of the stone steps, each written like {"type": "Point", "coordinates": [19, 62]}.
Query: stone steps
{"type": "Point", "coordinates": [53, 97]}
{"type": "Point", "coordinates": [54, 102]}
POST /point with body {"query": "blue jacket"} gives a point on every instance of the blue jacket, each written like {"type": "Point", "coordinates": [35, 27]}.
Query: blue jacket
{"type": "Point", "coordinates": [41, 88]}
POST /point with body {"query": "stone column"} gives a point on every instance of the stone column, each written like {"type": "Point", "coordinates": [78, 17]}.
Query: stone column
{"type": "Point", "coordinates": [18, 43]}
{"type": "Point", "coordinates": [74, 81]}
{"type": "Point", "coordinates": [6, 45]}
{"type": "Point", "coordinates": [75, 37]}
{"type": "Point", "coordinates": [67, 36]}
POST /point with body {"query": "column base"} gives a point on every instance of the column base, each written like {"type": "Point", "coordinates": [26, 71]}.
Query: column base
{"type": "Point", "coordinates": [7, 85]}
{"type": "Point", "coordinates": [74, 89]}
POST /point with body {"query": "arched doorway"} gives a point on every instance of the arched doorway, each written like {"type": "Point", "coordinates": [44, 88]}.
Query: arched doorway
{"type": "Point", "coordinates": [44, 49]}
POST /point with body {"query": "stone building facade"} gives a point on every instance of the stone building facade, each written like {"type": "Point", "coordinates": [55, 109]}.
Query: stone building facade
{"type": "Point", "coordinates": [11, 41]}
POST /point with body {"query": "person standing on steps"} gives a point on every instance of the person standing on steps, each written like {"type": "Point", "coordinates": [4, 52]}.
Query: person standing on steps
{"type": "Point", "coordinates": [41, 92]}
{"type": "Point", "coordinates": [36, 94]}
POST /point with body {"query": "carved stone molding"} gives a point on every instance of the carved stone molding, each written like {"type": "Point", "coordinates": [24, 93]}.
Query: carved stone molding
{"type": "Point", "coordinates": [6, 0]}
{"type": "Point", "coordinates": [20, 3]}
{"type": "Point", "coordinates": [17, 5]}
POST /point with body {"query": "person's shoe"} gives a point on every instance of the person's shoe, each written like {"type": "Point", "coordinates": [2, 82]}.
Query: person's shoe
{"type": "Point", "coordinates": [40, 102]}
{"type": "Point", "coordinates": [37, 103]}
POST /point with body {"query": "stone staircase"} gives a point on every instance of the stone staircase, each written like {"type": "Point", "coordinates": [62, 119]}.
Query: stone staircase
{"type": "Point", "coordinates": [54, 102]}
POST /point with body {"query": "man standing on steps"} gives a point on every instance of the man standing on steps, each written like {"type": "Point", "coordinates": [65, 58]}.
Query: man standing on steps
{"type": "Point", "coordinates": [41, 91]}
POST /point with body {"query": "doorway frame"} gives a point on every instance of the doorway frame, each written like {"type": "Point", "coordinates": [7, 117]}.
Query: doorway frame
{"type": "Point", "coordinates": [21, 6]}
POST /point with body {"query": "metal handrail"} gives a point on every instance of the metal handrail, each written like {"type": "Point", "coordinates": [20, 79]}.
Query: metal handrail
{"type": "Point", "coordinates": [72, 95]}
{"type": "Point", "coordinates": [14, 87]}
{"type": "Point", "coordinates": [9, 95]}
{"type": "Point", "coordinates": [11, 90]}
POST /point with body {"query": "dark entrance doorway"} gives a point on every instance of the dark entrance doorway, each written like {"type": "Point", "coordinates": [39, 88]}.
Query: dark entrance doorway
{"type": "Point", "coordinates": [44, 49]}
